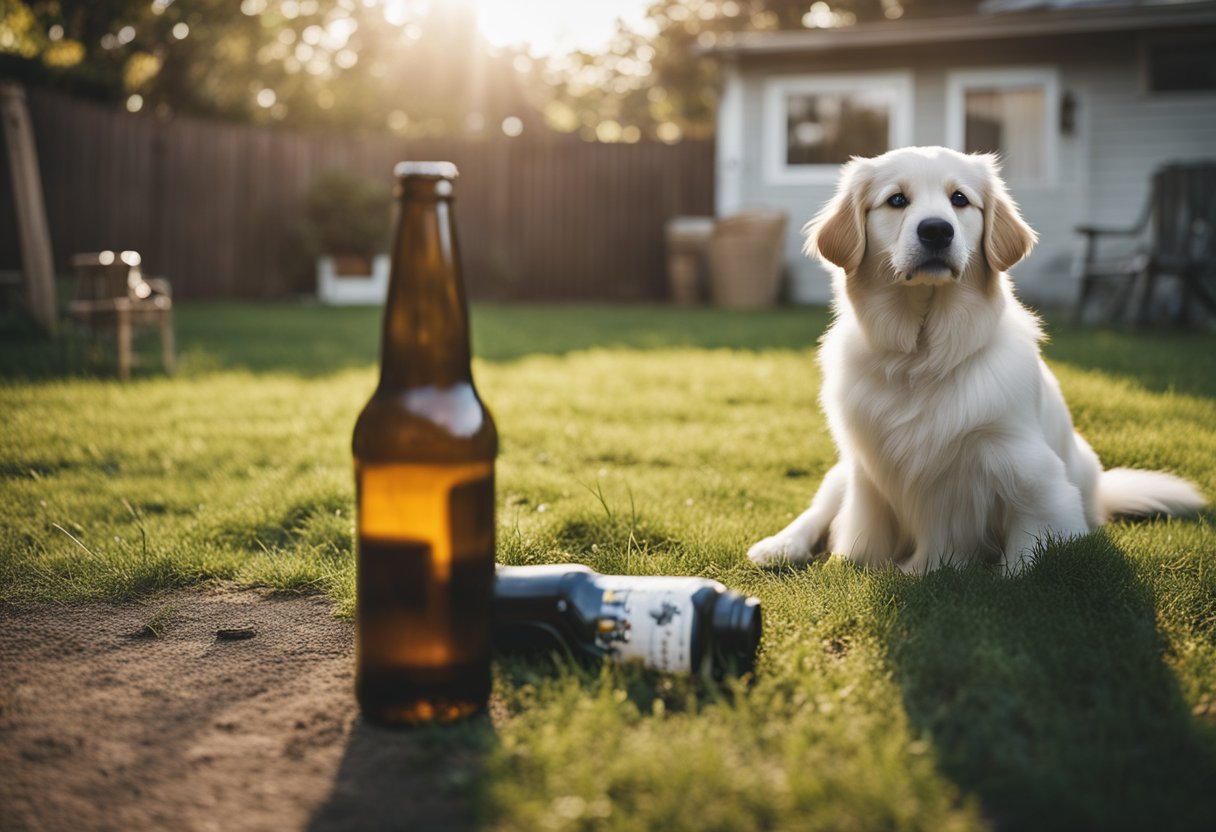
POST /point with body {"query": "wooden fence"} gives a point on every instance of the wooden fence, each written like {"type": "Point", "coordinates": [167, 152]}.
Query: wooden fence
{"type": "Point", "coordinates": [215, 207]}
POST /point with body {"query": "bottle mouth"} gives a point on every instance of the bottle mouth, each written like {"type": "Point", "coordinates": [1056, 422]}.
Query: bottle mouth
{"type": "Point", "coordinates": [427, 170]}
{"type": "Point", "coordinates": [737, 628]}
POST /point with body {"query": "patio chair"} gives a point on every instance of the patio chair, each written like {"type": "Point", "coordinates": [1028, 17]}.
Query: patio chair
{"type": "Point", "coordinates": [1180, 219]}
{"type": "Point", "coordinates": [112, 295]}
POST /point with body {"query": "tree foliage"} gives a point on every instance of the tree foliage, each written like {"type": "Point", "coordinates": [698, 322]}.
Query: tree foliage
{"type": "Point", "coordinates": [662, 76]}
{"type": "Point", "coordinates": [410, 66]}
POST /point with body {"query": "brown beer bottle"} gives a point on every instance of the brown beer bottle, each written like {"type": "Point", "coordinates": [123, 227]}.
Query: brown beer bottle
{"type": "Point", "coordinates": [424, 450]}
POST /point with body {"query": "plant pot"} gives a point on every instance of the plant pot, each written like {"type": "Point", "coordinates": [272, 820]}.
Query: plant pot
{"type": "Point", "coordinates": [367, 289]}
{"type": "Point", "coordinates": [352, 265]}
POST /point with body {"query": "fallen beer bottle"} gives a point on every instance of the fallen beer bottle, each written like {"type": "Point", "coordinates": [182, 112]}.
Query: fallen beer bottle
{"type": "Point", "coordinates": [675, 625]}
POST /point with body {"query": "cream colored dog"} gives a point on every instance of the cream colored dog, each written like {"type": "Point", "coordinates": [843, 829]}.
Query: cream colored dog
{"type": "Point", "coordinates": [953, 437]}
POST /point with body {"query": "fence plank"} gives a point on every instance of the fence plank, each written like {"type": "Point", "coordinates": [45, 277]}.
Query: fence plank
{"type": "Point", "coordinates": [216, 207]}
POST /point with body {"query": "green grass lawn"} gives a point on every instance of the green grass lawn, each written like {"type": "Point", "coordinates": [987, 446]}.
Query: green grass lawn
{"type": "Point", "coordinates": [656, 441]}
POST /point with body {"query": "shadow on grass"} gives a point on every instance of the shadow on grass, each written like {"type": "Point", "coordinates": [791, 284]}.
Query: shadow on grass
{"type": "Point", "coordinates": [27, 353]}
{"type": "Point", "coordinates": [1047, 696]}
{"type": "Point", "coordinates": [1157, 360]}
{"type": "Point", "coordinates": [310, 340]}
{"type": "Point", "coordinates": [316, 340]}
{"type": "Point", "coordinates": [426, 778]}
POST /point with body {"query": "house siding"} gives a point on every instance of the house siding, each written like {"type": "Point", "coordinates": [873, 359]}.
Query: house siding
{"type": "Point", "coordinates": [1102, 168]}
{"type": "Point", "coordinates": [1151, 129]}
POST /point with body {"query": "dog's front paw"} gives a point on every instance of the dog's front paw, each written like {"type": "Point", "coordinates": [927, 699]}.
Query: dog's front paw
{"type": "Point", "coordinates": [778, 549]}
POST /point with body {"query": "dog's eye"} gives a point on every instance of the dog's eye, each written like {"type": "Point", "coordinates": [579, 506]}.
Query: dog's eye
{"type": "Point", "coordinates": [959, 200]}
{"type": "Point", "coordinates": [898, 201]}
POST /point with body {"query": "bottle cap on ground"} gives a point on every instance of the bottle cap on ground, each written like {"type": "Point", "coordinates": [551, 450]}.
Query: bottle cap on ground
{"type": "Point", "coordinates": [433, 170]}
{"type": "Point", "coordinates": [736, 627]}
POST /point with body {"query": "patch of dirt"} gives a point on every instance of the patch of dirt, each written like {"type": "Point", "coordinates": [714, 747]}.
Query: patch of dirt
{"type": "Point", "coordinates": [136, 716]}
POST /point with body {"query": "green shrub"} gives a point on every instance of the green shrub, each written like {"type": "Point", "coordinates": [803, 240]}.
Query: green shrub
{"type": "Point", "coordinates": [346, 214]}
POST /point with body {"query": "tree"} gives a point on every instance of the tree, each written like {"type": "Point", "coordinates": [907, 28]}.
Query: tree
{"type": "Point", "coordinates": [410, 66]}
{"type": "Point", "coordinates": [657, 80]}
{"type": "Point", "coordinates": [387, 65]}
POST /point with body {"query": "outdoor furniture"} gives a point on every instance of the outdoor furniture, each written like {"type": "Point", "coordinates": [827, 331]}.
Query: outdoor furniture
{"type": "Point", "coordinates": [1180, 219]}
{"type": "Point", "coordinates": [747, 259]}
{"type": "Point", "coordinates": [112, 295]}
{"type": "Point", "coordinates": [687, 243]}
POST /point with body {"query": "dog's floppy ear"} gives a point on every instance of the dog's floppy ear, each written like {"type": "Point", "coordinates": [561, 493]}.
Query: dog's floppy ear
{"type": "Point", "coordinates": [1007, 237]}
{"type": "Point", "coordinates": [838, 232]}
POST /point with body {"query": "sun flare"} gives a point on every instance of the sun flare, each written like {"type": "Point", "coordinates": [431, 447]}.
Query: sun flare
{"type": "Point", "coordinates": [548, 27]}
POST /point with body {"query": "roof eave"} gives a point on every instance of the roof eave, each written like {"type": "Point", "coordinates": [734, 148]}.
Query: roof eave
{"type": "Point", "coordinates": [969, 28]}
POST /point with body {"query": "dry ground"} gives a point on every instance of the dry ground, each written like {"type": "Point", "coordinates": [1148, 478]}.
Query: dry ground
{"type": "Point", "coordinates": [106, 725]}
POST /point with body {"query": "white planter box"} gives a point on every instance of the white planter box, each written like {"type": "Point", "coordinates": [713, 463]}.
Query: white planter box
{"type": "Point", "coordinates": [369, 290]}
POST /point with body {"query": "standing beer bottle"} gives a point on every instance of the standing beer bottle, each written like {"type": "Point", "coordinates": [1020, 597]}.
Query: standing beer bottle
{"type": "Point", "coordinates": [424, 450]}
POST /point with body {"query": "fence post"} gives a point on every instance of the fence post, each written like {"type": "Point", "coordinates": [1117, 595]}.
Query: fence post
{"type": "Point", "coordinates": [36, 259]}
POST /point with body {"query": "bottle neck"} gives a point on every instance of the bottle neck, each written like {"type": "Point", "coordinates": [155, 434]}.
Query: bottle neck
{"type": "Point", "coordinates": [426, 331]}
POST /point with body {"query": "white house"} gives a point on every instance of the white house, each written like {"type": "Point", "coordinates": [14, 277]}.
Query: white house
{"type": "Point", "coordinates": [1082, 99]}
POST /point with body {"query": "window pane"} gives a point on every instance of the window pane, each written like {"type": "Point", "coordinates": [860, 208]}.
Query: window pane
{"type": "Point", "coordinates": [1182, 67]}
{"type": "Point", "coordinates": [828, 128]}
{"type": "Point", "coordinates": [1012, 122]}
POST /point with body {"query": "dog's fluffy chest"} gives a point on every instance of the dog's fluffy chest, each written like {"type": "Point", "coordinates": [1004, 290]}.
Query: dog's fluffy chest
{"type": "Point", "coordinates": [908, 427]}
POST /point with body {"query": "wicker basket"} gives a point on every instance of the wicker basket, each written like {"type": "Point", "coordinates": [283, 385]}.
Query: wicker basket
{"type": "Point", "coordinates": [746, 259]}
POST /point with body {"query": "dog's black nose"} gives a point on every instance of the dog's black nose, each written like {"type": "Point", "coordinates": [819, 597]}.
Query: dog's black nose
{"type": "Point", "coordinates": [935, 234]}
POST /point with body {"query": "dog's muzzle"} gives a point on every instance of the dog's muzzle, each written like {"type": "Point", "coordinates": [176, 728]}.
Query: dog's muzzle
{"type": "Point", "coordinates": [936, 236]}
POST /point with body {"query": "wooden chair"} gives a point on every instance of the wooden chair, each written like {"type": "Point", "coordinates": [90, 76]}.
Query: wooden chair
{"type": "Point", "coordinates": [1180, 220]}
{"type": "Point", "coordinates": [112, 295]}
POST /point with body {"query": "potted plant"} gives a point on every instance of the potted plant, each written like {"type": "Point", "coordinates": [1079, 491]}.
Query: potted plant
{"type": "Point", "coordinates": [346, 229]}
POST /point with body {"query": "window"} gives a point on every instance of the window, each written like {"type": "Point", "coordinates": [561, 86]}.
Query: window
{"type": "Point", "coordinates": [1008, 112]}
{"type": "Point", "coordinates": [814, 123]}
{"type": "Point", "coordinates": [1181, 67]}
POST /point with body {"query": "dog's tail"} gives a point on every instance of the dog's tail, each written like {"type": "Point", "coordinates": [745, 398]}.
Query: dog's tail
{"type": "Point", "coordinates": [1134, 493]}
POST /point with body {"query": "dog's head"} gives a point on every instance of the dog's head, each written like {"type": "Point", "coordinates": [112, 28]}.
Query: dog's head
{"type": "Point", "coordinates": [921, 215]}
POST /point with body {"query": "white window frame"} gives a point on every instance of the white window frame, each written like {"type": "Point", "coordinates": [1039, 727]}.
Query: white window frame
{"type": "Point", "coordinates": [959, 81]}
{"type": "Point", "coordinates": [777, 171]}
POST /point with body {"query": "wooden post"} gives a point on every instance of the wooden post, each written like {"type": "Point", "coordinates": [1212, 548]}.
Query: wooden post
{"type": "Point", "coordinates": [166, 339]}
{"type": "Point", "coordinates": [36, 259]}
{"type": "Point", "coordinates": [123, 335]}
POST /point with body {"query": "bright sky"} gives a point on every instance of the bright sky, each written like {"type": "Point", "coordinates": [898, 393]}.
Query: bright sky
{"type": "Point", "coordinates": [550, 27]}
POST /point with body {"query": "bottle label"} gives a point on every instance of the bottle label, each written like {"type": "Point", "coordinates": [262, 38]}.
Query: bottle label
{"type": "Point", "coordinates": [649, 620]}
